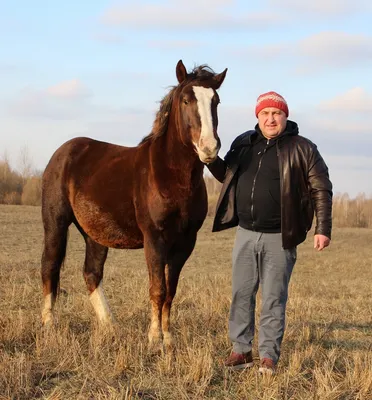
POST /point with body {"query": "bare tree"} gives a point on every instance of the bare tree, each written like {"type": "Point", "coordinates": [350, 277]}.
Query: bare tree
{"type": "Point", "coordinates": [25, 163]}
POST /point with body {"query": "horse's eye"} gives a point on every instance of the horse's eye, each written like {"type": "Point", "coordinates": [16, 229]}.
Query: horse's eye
{"type": "Point", "coordinates": [185, 101]}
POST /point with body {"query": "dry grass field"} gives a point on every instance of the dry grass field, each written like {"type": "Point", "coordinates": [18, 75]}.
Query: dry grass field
{"type": "Point", "coordinates": [327, 349]}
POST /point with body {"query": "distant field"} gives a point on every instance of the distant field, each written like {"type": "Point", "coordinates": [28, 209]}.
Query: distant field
{"type": "Point", "coordinates": [327, 350]}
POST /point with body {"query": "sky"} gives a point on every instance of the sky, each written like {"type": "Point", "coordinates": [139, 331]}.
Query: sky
{"type": "Point", "coordinates": [99, 69]}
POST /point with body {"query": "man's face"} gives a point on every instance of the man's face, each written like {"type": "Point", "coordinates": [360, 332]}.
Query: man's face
{"type": "Point", "coordinates": [272, 122]}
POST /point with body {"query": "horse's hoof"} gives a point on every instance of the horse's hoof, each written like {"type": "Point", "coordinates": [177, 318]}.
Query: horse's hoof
{"type": "Point", "coordinates": [47, 320]}
{"type": "Point", "coordinates": [48, 326]}
{"type": "Point", "coordinates": [155, 344]}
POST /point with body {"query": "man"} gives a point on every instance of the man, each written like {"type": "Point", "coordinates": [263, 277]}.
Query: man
{"type": "Point", "coordinates": [273, 180]}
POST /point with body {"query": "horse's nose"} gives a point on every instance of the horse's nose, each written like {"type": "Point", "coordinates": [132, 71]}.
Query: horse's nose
{"type": "Point", "coordinates": [207, 151]}
{"type": "Point", "coordinates": [209, 146]}
{"type": "Point", "coordinates": [210, 154]}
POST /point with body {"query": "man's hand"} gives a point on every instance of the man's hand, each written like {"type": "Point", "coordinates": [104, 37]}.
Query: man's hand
{"type": "Point", "coordinates": [320, 242]}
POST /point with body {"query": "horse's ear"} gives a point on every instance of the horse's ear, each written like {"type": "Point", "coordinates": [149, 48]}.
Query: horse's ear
{"type": "Point", "coordinates": [220, 78]}
{"type": "Point", "coordinates": [181, 71]}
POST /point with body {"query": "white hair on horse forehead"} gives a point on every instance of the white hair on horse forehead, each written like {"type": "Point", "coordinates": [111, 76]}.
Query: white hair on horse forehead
{"type": "Point", "coordinates": [204, 98]}
{"type": "Point", "coordinates": [203, 92]}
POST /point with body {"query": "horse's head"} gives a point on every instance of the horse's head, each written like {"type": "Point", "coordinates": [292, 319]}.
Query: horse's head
{"type": "Point", "coordinates": [197, 105]}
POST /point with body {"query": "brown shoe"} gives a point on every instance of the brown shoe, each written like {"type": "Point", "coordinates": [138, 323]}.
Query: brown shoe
{"type": "Point", "coordinates": [239, 361]}
{"type": "Point", "coordinates": [267, 366]}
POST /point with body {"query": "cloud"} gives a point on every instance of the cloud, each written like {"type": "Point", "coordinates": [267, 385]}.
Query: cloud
{"type": "Point", "coordinates": [341, 130]}
{"type": "Point", "coordinates": [71, 89]}
{"type": "Point", "coordinates": [36, 104]}
{"type": "Point", "coordinates": [222, 14]}
{"type": "Point", "coordinates": [336, 48]}
{"type": "Point", "coordinates": [262, 52]}
{"type": "Point", "coordinates": [122, 75]}
{"type": "Point", "coordinates": [187, 15]}
{"type": "Point", "coordinates": [174, 44]}
{"type": "Point", "coordinates": [8, 68]}
{"type": "Point", "coordinates": [355, 100]}
{"type": "Point", "coordinates": [325, 8]}
{"type": "Point", "coordinates": [350, 174]}
{"type": "Point", "coordinates": [65, 100]}
{"type": "Point", "coordinates": [313, 53]}
{"type": "Point", "coordinates": [336, 129]}
{"type": "Point", "coordinates": [122, 126]}
{"type": "Point", "coordinates": [350, 162]}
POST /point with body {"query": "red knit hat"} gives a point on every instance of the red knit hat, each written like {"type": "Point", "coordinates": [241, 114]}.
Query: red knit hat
{"type": "Point", "coordinates": [271, 99]}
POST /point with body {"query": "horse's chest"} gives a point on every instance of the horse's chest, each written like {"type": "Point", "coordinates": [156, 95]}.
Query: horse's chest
{"type": "Point", "coordinates": [177, 214]}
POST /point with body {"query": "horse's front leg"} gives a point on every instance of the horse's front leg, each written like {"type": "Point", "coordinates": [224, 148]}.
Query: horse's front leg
{"type": "Point", "coordinates": [178, 255]}
{"type": "Point", "coordinates": [155, 258]}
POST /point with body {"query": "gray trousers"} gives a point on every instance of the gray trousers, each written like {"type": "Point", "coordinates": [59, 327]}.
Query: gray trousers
{"type": "Point", "coordinates": [259, 259]}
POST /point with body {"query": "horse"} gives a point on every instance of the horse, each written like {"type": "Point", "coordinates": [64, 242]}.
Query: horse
{"type": "Point", "coordinates": [150, 196]}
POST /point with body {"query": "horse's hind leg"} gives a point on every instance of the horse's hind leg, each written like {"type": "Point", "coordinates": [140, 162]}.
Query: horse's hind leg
{"type": "Point", "coordinates": [55, 240]}
{"type": "Point", "coordinates": [176, 260]}
{"type": "Point", "coordinates": [95, 257]}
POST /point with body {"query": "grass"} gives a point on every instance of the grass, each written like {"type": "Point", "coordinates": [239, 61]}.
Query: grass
{"type": "Point", "coordinates": [326, 354]}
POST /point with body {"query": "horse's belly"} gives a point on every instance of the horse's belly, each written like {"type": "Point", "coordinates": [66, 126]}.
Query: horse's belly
{"type": "Point", "coordinates": [107, 229]}
{"type": "Point", "coordinates": [110, 234]}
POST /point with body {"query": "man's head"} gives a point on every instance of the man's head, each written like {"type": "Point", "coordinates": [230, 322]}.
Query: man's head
{"type": "Point", "coordinates": [272, 113]}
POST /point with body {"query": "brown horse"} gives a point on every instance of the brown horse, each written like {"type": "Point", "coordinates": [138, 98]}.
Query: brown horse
{"type": "Point", "coordinates": [150, 196]}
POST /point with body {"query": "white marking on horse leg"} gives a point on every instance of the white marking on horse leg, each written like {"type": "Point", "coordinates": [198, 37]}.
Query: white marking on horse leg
{"type": "Point", "coordinates": [155, 333]}
{"type": "Point", "coordinates": [207, 140]}
{"type": "Point", "coordinates": [168, 339]}
{"type": "Point", "coordinates": [100, 305]}
{"type": "Point", "coordinates": [47, 313]}
{"type": "Point", "coordinates": [165, 322]}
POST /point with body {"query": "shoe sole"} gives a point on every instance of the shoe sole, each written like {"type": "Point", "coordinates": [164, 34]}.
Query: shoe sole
{"type": "Point", "coordinates": [241, 366]}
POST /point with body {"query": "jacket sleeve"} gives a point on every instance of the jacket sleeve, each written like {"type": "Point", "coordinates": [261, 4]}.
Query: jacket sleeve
{"type": "Point", "coordinates": [219, 166]}
{"type": "Point", "coordinates": [218, 169]}
{"type": "Point", "coordinates": [321, 193]}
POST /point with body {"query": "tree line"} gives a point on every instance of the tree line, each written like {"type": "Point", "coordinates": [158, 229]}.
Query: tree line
{"type": "Point", "coordinates": [23, 186]}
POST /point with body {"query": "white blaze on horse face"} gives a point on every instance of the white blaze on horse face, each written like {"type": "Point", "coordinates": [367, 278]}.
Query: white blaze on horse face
{"type": "Point", "coordinates": [207, 147]}
{"type": "Point", "coordinates": [100, 305]}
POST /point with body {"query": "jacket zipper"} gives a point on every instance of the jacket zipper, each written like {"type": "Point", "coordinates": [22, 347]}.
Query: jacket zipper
{"type": "Point", "coordinates": [255, 178]}
{"type": "Point", "coordinates": [281, 184]}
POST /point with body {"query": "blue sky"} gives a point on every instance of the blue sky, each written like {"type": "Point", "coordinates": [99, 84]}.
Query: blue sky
{"type": "Point", "coordinates": [99, 68]}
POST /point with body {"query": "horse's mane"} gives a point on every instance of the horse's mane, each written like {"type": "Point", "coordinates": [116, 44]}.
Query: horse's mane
{"type": "Point", "coordinates": [198, 74]}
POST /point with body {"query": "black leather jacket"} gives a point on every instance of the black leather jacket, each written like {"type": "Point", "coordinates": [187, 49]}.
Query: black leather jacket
{"type": "Point", "coordinates": [304, 186]}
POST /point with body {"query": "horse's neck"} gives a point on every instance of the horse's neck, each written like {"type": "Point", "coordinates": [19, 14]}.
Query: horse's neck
{"type": "Point", "coordinates": [177, 162]}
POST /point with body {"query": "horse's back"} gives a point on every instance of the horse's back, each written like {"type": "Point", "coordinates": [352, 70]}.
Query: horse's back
{"type": "Point", "coordinates": [86, 163]}
{"type": "Point", "coordinates": [84, 151]}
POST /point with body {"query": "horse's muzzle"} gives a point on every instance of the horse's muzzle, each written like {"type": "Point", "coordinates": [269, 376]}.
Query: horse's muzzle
{"type": "Point", "coordinates": [208, 155]}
